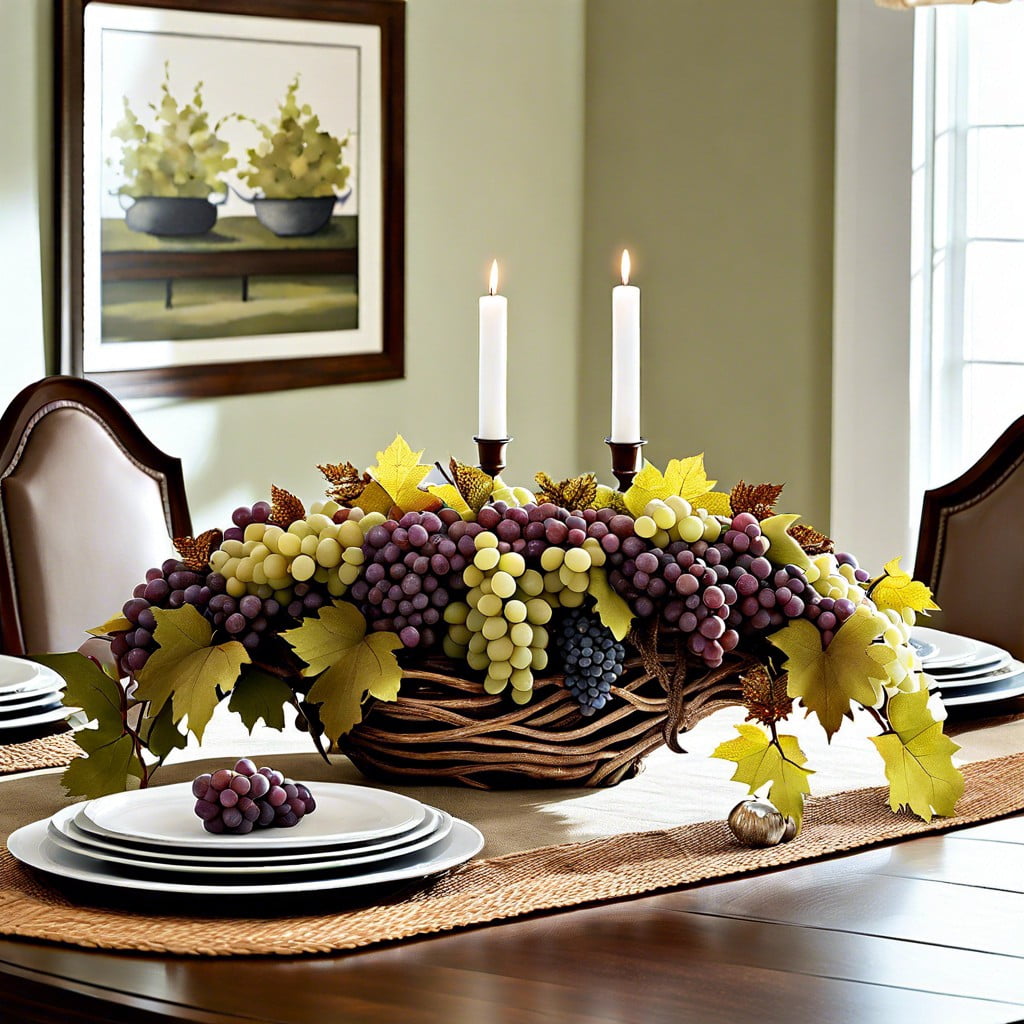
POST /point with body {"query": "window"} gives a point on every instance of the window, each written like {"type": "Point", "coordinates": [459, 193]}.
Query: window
{"type": "Point", "coordinates": [968, 236]}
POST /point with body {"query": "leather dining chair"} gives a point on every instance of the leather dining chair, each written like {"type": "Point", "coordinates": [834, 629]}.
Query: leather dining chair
{"type": "Point", "coordinates": [970, 549]}
{"type": "Point", "coordinates": [87, 504]}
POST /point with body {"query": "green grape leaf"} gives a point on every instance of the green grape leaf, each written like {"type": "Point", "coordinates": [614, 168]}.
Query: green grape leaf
{"type": "Point", "coordinates": [684, 477]}
{"type": "Point", "coordinates": [828, 680]}
{"type": "Point", "coordinates": [368, 668]}
{"type": "Point", "coordinates": [162, 735]}
{"type": "Point", "coordinates": [611, 608]}
{"type": "Point", "coordinates": [898, 590]}
{"type": "Point", "coordinates": [919, 758]}
{"type": "Point", "coordinates": [258, 694]}
{"type": "Point", "coordinates": [115, 624]}
{"type": "Point", "coordinates": [784, 549]}
{"type": "Point", "coordinates": [105, 770]}
{"type": "Point", "coordinates": [100, 697]}
{"type": "Point", "coordinates": [321, 642]}
{"type": "Point", "coordinates": [760, 761]}
{"type": "Point", "coordinates": [108, 745]}
{"type": "Point", "coordinates": [186, 669]}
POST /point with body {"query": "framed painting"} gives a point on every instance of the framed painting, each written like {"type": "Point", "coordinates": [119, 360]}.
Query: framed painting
{"type": "Point", "coordinates": [231, 193]}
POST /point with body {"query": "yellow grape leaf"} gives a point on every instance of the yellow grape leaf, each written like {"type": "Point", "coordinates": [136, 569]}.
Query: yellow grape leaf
{"type": "Point", "coordinates": [716, 503]}
{"type": "Point", "coordinates": [919, 758]}
{"type": "Point", "coordinates": [375, 499]}
{"type": "Point", "coordinates": [784, 549]}
{"type": "Point", "coordinates": [449, 495]}
{"type": "Point", "coordinates": [611, 608]}
{"type": "Point", "coordinates": [400, 473]}
{"type": "Point", "coordinates": [321, 642]}
{"type": "Point", "coordinates": [608, 497]}
{"type": "Point", "coordinates": [115, 624]}
{"type": "Point", "coordinates": [828, 680]}
{"type": "Point", "coordinates": [760, 761]}
{"type": "Point", "coordinates": [896, 589]}
{"type": "Point", "coordinates": [685, 477]}
{"type": "Point", "coordinates": [186, 669]}
{"type": "Point", "coordinates": [368, 668]}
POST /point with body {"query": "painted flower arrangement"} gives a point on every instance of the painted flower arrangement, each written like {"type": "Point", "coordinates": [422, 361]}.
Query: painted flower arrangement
{"type": "Point", "coordinates": [489, 635]}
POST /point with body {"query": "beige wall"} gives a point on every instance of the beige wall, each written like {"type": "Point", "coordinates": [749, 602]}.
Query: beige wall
{"type": "Point", "coordinates": [709, 135]}
{"type": "Point", "coordinates": [705, 144]}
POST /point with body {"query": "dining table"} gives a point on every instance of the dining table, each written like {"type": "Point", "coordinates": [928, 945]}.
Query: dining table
{"type": "Point", "coordinates": [919, 926]}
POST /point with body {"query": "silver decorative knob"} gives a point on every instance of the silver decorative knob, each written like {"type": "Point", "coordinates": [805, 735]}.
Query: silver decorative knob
{"type": "Point", "coordinates": [758, 823]}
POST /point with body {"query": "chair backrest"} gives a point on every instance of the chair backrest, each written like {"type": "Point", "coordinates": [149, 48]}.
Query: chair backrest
{"type": "Point", "coordinates": [970, 550]}
{"type": "Point", "coordinates": [87, 504]}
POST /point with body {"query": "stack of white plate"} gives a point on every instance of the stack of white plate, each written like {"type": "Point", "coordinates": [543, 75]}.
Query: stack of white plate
{"type": "Point", "coordinates": [151, 839]}
{"type": "Point", "coordinates": [967, 671]}
{"type": "Point", "coordinates": [30, 695]}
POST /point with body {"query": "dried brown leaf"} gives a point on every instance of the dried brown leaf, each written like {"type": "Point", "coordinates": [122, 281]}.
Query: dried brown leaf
{"type": "Point", "coordinates": [811, 540]}
{"type": "Point", "coordinates": [576, 492]}
{"type": "Point", "coordinates": [766, 698]}
{"type": "Point", "coordinates": [758, 499]}
{"type": "Point", "coordinates": [195, 551]}
{"type": "Point", "coordinates": [285, 508]}
{"type": "Point", "coordinates": [346, 482]}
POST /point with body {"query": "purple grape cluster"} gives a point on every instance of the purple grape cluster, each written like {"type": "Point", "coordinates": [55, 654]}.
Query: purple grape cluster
{"type": "Point", "coordinates": [239, 800]}
{"type": "Point", "coordinates": [170, 586]}
{"type": "Point", "coordinates": [592, 658]}
{"type": "Point", "coordinates": [530, 529]}
{"type": "Point", "coordinates": [412, 567]}
{"type": "Point", "coordinates": [711, 592]}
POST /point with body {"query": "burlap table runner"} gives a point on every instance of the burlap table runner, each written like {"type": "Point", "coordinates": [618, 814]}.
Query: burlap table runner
{"type": "Point", "coordinates": [546, 848]}
{"type": "Point", "coordinates": [52, 751]}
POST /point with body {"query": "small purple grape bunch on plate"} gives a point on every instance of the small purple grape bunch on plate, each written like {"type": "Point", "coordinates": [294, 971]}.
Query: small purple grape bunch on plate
{"type": "Point", "coordinates": [235, 801]}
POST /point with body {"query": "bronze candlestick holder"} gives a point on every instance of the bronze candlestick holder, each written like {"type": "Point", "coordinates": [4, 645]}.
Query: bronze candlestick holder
{"type": "Point", "coordinates": [492, 453]}
{"type": "Point", "coordinates": [625, 460]}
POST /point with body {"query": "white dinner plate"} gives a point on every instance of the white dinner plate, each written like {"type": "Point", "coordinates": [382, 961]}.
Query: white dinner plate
{"type": "Point", "coordinates": [69, 822]}
{"type": "Point", "coordinates": [31, 705]}
{"type": "Point", "coordinates": [23, 698]}
{"type": "Point", "coordinates": [57, 714]}
{"type": "Point", "coordinates": [950, 648]}
{"type": "Point", "coordinates": [1001, 689]}
{"type": "Point", "coordinates": [331, 860]}
{"type": "Point", "coordinates": [164, 816]}
{"type": "Point", "coordinates": [16, 673]}
{"type": "Point", "coordinates": [32, 846]}
{"type": "Point", "coordinates": [990, 667]}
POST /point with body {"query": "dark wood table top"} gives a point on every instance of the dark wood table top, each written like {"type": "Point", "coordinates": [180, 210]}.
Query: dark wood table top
{"type": "Point", "coordinates": [926, 930]}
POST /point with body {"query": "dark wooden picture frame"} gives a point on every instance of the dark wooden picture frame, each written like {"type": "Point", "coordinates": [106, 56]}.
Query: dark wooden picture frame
{"type": "Point", "coordinates": [229, 376]}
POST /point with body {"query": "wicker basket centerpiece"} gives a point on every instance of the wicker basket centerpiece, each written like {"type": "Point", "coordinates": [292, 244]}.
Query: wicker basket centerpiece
{"type": "Point", "coordinates": [477, 634]}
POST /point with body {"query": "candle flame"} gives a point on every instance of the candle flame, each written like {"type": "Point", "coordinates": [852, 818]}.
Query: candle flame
{"type": "Point", "coordinates": [493, 287]}
{"type": "Point", "coordinates": [625, 266]}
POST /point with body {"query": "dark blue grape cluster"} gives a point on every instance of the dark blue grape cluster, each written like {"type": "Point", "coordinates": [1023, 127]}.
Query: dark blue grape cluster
{"type": "Point", "coordinates": [591, 656]}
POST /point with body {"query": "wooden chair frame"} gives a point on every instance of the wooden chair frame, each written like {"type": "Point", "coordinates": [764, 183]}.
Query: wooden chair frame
{"type": "Point", "coordinates": [16, 426]}
{"type": "Point", "coordinates": [940, 504]}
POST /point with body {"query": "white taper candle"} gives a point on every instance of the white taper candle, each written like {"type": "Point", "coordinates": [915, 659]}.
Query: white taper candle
{"type": "Point", "coordinates": [493, 419]}
{"type": "Point", "coordinates": [625, 358]}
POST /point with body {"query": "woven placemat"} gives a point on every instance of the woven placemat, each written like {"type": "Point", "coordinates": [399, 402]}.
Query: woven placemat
{"type": "Point", "coordinates": [45, 752]}
{"type": "Point", "coordinates": [505, 887]}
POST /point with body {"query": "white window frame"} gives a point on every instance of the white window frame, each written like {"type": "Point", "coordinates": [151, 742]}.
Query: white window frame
{"type": "Point", "coordinates": [873, 367]}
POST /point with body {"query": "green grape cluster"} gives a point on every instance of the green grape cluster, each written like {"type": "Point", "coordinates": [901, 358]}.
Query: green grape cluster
{"type": "Point", "coordinates": [270, 560]}
{"type": "Point", "coordinates": [296, 158]}
{"type": "Point", "coordinates": [181, 156]}
{"type": "Point", "coordinates": [675, 519]}
{"type": "Point", "coordinates": [567, 572]}
{"type": "Point", "coordinates": [500, 628]}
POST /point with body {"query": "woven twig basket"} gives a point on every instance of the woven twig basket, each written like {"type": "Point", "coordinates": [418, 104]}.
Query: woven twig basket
{"type": "Point", "coordinates": [444, 729]}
